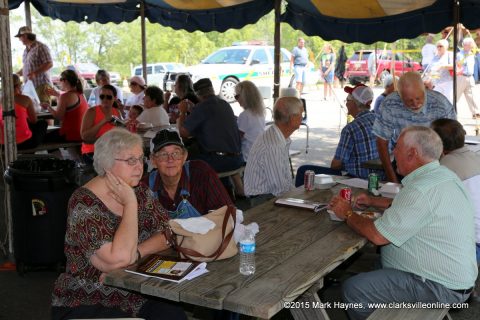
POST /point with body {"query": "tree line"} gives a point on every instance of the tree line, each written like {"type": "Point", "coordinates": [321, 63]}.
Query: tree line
{"type": "Point", "coordinates": [117, 47]}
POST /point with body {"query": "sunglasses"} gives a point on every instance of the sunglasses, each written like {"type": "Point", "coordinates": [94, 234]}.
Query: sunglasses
{"type": "Point", "coordinates": [133, 84]}
{"type": "Point", "coordinates": [106, 96]}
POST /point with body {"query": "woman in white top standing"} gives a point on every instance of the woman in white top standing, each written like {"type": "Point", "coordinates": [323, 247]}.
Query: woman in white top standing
{"type": "Point", "coordinates": [153, 111]}
{"type": "Point", "coordinates": [440, 67]}
{"type": "Point", "coordinates": [251, 122]}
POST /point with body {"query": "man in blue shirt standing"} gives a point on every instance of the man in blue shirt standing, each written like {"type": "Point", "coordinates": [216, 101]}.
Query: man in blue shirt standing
{"type": "Point", "coordinates": [299, 60]}
{"type": "Point", "coordinates": [465, 79]}
{"type": "Point", "coordinates": [357, 142]}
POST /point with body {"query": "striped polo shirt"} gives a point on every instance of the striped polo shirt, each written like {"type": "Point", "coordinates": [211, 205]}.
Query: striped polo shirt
{"type": "Point", "coordinates": [430, 226]}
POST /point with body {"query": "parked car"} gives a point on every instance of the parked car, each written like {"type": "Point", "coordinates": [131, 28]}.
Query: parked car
{"type": "Point", "coordinates": [357, 69]}
{"type": "Point", "coordinates": [228, 66]}
{"type": "Point", "coordinates": [115, 78]}
{"type": "Point", "coordinates": [156, 71]}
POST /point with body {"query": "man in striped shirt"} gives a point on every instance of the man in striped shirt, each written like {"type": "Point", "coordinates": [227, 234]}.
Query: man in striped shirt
{"type": "Point", "coordinates": [426, 233]}
{"type": "Point", "coordinates": [268, 167]}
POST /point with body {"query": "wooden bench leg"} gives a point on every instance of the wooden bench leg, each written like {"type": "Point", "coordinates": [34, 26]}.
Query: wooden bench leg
{"type": "Point", "coordinates": [311, 302]}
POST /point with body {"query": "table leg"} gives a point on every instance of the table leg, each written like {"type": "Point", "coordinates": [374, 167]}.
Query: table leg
{"type": "Point", "coordinates": [311, 305]}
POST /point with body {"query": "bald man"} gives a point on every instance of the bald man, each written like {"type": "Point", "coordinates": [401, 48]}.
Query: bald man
{"type": "Point", "coordinates": [411, 105]}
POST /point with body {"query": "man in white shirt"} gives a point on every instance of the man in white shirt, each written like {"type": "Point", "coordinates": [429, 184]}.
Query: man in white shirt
{"type": "Point", "coordinates": [428, 52]}
{"type": "Point", "coordinates": [268, 167]}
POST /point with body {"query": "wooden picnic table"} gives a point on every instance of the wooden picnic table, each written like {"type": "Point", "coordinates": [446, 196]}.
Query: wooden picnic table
{"type": "Point", "coordinates": [296, 248]}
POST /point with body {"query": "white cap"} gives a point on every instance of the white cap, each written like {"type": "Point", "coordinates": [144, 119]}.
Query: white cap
{"type": "Point", "coordinates": [361, 93]}
{"type": "Point", "coordinates": [388, 81]}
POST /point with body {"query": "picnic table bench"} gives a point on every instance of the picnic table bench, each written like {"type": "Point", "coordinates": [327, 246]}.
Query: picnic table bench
{"type": "Point", "coordinates": [410, 314]}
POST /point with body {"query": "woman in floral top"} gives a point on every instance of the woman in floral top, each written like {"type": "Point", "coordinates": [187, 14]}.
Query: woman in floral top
{"type": "Point", "coordinates": [112, 222]}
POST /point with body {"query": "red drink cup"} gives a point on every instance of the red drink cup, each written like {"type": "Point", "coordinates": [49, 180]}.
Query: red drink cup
{"type": "Point", "coordinates": [346, 193]}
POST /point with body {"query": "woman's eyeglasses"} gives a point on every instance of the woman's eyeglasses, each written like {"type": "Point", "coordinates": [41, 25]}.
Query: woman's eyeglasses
{"type": "Point", "coordinates": [106, 96]}
{"type": "Point", "coordinates": [164, 156]}
{"type": "Point", "coordinates": [133, 161]}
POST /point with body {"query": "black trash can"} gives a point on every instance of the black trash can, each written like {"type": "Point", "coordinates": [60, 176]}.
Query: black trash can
{"type": "Point", "coordinates": [40, 190]}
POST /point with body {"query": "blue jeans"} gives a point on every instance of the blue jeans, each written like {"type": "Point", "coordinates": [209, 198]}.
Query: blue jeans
{"type": "Point", "coordinates": [390, 285]}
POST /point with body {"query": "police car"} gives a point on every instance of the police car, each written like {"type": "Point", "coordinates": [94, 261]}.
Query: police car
{"type": "Point", "coordinates": [228, 66]}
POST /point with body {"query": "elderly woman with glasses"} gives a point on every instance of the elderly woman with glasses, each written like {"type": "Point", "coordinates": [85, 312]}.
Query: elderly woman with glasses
{"type": "Point", "coordinates": [112, 222]}
{"type": "Point", "coordinates": [176, 179]}
{"type": "Point", "coordinates": [70, 109]}
{"type": "Point", "coordinates": [98, 120]}
{"type": "Point", "coordinates": [438, 70]}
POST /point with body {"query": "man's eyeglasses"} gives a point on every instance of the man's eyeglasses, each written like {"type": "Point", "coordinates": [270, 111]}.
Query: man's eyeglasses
{"type": "Point", "coordinates": [164, 156]}
{"type": "Point", "coordinates": [133, 161]}
{"type": "Point", "coordinates": [106, 96]}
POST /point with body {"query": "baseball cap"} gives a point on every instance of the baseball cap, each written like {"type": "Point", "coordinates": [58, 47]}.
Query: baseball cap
{"type": "Point", "coordinates": [388, 81]}
{"type": "Point", "coordinates": [202, 84]}
{"type": "Point", "coordinates": [165, 138]}
{"type": "Point", "coordinates": [24, 30]}
{"type": "Point", "coordinates": [361, 93]}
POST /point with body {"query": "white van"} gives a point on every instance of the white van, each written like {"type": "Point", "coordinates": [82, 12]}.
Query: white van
{"type": "Point", "coordinates": [156, 71]}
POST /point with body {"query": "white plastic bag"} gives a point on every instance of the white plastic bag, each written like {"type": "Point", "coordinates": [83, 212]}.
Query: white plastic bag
{"type": "Point", "coordinates": [29, 90]}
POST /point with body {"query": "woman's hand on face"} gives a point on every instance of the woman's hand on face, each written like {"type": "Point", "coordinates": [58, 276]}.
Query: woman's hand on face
{"type": "Point", "coordinates": [119, 189]}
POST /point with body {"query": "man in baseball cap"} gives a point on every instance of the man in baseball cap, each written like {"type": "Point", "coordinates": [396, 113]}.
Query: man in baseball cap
{"type": "Point", "coordinates": [357, 142]}
{"type": "Point", "coordinates": [37, 61]}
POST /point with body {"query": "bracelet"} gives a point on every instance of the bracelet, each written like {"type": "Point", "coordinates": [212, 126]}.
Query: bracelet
{"type": "Point", "coordinates": [348, 214]}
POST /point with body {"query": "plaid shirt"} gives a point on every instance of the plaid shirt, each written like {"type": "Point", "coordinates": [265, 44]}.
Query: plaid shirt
{"type": "Point", "coordinates": [394, 116]}
{"type": "Point", "coordinates": [33, 57]}
{"type": "Point", "coordinates": [358, 144]}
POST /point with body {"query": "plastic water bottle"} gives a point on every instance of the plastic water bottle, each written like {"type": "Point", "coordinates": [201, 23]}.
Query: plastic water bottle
{"type": "Point", "coordinates": [247, 253]}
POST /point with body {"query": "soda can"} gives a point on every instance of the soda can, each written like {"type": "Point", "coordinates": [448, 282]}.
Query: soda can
{"type": "Point", "coordinates": [346, 193]}
{"type": "Point", "coordinates": [309, 180]}
{"type": "Point", "coordinates": [372, 183]}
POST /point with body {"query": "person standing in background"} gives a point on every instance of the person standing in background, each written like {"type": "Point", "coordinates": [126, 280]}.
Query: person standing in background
{"type": "Point", "coordinates": [102, 77]}
{"type": "Point", "coordinates": [327, 62]}
{"type": "Point", "coordinates": [36, 63]}
{"type": "Point", "coordinates": [299, 60]}
{"type": "Point", "coordinates": [428, 52]}
{"type": "Point", "coordinates": [465, 80]}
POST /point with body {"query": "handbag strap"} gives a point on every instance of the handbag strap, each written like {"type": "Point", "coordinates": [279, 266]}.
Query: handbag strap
{"type": "Point", "coordinates": [231, 212]}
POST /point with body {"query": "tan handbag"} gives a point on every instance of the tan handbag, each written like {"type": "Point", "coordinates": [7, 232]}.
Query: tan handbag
{"type": "Point", "coordinates": [216, 244]}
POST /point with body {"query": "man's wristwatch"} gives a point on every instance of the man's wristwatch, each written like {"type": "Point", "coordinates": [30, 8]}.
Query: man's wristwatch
{"type": "Point", "coordinates": [348, 214]}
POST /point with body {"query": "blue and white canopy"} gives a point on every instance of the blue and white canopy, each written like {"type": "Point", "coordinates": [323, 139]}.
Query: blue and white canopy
{"type": "Point", "coordinates": [364, 21]}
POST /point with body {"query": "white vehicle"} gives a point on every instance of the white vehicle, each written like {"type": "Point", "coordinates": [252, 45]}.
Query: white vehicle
{"type": "Point", "coordinates": [156, 71]}
{"type": "Point", "coordinates": [228, 66]}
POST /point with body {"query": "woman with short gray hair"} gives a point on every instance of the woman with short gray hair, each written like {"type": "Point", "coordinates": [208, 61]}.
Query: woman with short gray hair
{"type": "Point", "coordinates": [112, 222]}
